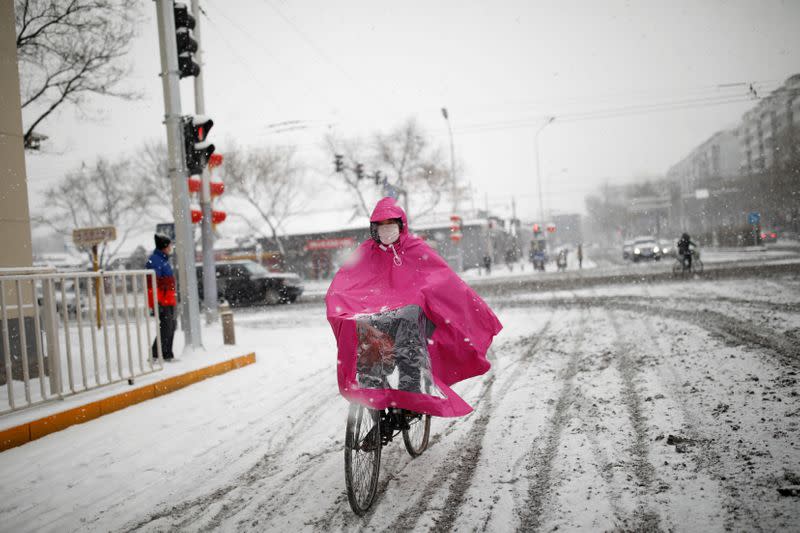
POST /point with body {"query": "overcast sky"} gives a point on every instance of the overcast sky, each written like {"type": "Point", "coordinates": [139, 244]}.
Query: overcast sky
{"type": "Point", "coordinates": [499, 67]}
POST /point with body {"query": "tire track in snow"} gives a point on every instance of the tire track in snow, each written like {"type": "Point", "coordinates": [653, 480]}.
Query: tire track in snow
{"type": "Point", "coordinates": [267, 466]}
{"type": "Point", "coordinates": [646, 519]}
{"type": "Point", "coordinates": [531, 512]}
{"type": "Point", "coordinates": [738, 509]}
{"type": "Point", "coordinates": [724, 326]}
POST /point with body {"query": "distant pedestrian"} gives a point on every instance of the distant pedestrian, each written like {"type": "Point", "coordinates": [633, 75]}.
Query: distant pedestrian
{"type": "Point", "coordinates": [511, 258]}
{"type": "Point", "coordinates": [487, 263]}
{"type": "Point", "coordinates": [580, 256]}
{"type": "Point", "coordinates": [561, 260]}
{"type": "Point", "coordinates": [165, 293]}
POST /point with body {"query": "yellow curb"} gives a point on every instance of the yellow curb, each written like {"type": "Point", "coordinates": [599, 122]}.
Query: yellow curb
{"type": "Point", "coordinates": [19, 435]}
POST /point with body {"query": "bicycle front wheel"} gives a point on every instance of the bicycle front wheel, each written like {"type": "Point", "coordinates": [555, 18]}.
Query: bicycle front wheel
{"type": "Point", "coordinates": [418, 433]}
{"type": "Point", "coordinates": [677, 267]}
{"type": "Point", "coordinates": [362, 457]}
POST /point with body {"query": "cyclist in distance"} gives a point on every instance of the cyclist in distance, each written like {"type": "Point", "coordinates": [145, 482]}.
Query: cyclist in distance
{"type": "Point", "coordinates": [406, 325]}
{"type": "Point", "coordinates": [684, 250]}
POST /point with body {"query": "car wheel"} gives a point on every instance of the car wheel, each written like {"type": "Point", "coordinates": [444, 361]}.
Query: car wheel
{"type": "Point", "coordinates": [272, 296]}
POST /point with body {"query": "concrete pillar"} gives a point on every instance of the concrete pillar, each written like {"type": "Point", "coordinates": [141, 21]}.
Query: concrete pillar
{"type": "Point", "coordinates": [15, 222]}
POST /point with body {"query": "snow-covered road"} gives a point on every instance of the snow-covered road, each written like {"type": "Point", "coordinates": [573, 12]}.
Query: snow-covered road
{"type": "Point", "coordinates": [667, 406]}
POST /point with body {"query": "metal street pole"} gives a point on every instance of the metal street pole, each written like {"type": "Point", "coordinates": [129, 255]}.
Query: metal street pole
{"type": "Point", "coordinates": [184, 245]}
{"type": "Point", "coordinates": [459, 248]}
{"type": "Point", "coordinates": [548, 120]}
{"type": "Point", "coordinates": [209, 268]}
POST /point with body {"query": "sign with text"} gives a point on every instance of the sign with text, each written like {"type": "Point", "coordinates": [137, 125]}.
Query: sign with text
{"type": "Point", "coordinates": [754, 218]}
{"type": "Point", "coordinates": [166, 228]}
{"type": "Point", "coordinates": [330, 244]}
{"type": "Point", "coordinates": [83, 237]}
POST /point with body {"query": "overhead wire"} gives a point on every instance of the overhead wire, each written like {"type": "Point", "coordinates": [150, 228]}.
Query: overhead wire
{"type": "Point", "coordinates": [310, 42]}
{"type": "Point", "coordinates": [306, 87]}
{"type": "Point", "coordinates": [240, 60]}
{"type": "Point", "coordinates": [600, 114]}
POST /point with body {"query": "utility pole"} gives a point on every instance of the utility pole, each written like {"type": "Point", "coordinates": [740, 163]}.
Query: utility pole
{"type": "Point", "coordinates": [548, 121]}
{"type": "Point", "coordinates": [459, 251]}
{"type": "Point", "coordinates": [209, 268]}
{"type": "Point", "coordinates": [184, 246]}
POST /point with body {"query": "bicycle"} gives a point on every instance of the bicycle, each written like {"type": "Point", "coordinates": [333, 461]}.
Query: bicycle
{"type": "Point", "coordinates": [682, 266]}
{"type": "Point", "coordinates": [368, 431]}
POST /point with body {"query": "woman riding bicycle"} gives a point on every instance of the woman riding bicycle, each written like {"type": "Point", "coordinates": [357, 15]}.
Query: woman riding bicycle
{"type": "Point", "coordinates": [407, 327]}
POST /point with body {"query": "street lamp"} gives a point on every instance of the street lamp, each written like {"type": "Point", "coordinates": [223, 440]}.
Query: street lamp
{"type": "Point", "coordinates": [459, 260]}
{"type": "Point", "coordinates": [452, 160]}
{"type": "Point", "coordinates": [548, 120]}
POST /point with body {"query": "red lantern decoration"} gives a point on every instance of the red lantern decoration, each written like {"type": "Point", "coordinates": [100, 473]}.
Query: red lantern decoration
{"type": "Point", "coordinates": [217, 188]}
{"type": "Point", "coordinates": [197, 215]}
{"type": "Point", "coordinates": [218, 216]}
{"type": "Point", "coordinates": [194, 184]}
{"type": "Point", "coordinates": [215, 160]}
{"type": "Point", "coordinates": [455, 228]}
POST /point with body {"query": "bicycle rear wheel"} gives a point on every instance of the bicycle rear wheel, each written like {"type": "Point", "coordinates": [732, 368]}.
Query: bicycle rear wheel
{"type": "Point", "coordinates": [416, 436]}
{"type": "Point", "coordinates": [697, 266]}
{"type": "Point", "coordinates": [362, 457]}
{"type": "Point", "coordinates": [677, 267]}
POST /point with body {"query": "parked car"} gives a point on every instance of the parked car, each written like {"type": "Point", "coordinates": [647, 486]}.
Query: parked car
{"type": "Point", "coordinates": [72, 299]}
{"type": "Point", "coordinates": [247, 282]}
{"type": "Point", "coordinates": [627, 250]}
{"type": "Point", "coordinates": [646, 248]}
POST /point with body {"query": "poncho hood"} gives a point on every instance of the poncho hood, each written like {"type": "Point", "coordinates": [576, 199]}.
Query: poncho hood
{"type": "Point", "coordinates": [372, 286]}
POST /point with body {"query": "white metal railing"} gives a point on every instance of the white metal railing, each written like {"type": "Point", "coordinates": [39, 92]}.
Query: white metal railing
{"type": "Point", "coordinates": [68, 332]}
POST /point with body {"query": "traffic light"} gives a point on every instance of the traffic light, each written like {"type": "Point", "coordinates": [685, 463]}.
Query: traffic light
{"type": "Point", "coordinates": [338, 160]}
{"type": "Point", "coordinates": [537, 229]}
{"type": "Point", "coordinates": [184, 22]}
{"type": "Point", "coordinates": [197, 149]}
{"type": "Point", "coordinates": [359, 171]}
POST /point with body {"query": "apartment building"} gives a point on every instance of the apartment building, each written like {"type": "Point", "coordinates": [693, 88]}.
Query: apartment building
{"type": "Point", "coordinates": [768, 133]}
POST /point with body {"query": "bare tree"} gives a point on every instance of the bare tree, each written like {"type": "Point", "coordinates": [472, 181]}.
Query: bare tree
{"type": "Point", "coordinates": [412, 161]}
{"type": "Point", "coordinates": [151, 169]}
{"type": "Point", "coordinates": [269, 180]}
{"type": "Point", "coordinates": [406, 157]}
{"type": "Point", "coordinates": [68, 49]}
{"type": "Point", "coordinates": [104, 195]}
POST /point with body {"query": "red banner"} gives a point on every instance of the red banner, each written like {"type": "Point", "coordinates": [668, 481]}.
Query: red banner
{"type": "Point", "coordinates": [330, 244]}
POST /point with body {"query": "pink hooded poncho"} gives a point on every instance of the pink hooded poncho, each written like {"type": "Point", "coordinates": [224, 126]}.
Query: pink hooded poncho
{"type": "Point", "coordinates": [383, 306]}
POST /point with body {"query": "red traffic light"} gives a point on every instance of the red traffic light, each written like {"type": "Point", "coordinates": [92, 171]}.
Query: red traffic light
{"type": "Point", "coordinates": [537, 228]}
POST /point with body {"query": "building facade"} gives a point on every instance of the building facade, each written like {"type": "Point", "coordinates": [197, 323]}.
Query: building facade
{"type": "Point", "coordinates": [768, 132]}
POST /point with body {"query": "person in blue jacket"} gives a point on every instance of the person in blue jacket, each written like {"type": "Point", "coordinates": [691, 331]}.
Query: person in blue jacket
{"type": "Point", "coordinates": [165, 294]}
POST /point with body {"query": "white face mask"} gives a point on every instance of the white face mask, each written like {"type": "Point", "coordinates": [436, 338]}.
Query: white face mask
{"type": "Point", "coordinates": [388, 233]}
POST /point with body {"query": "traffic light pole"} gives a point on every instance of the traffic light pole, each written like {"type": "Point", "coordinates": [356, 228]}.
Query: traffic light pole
{"type": "Point", "coordinates": [209, 269]}
{"type": "Point", "coordinates": [184, 245]}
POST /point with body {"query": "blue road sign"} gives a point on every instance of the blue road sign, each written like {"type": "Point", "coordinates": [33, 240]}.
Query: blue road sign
{"type": "Point", "coordinates": [754, 218]}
